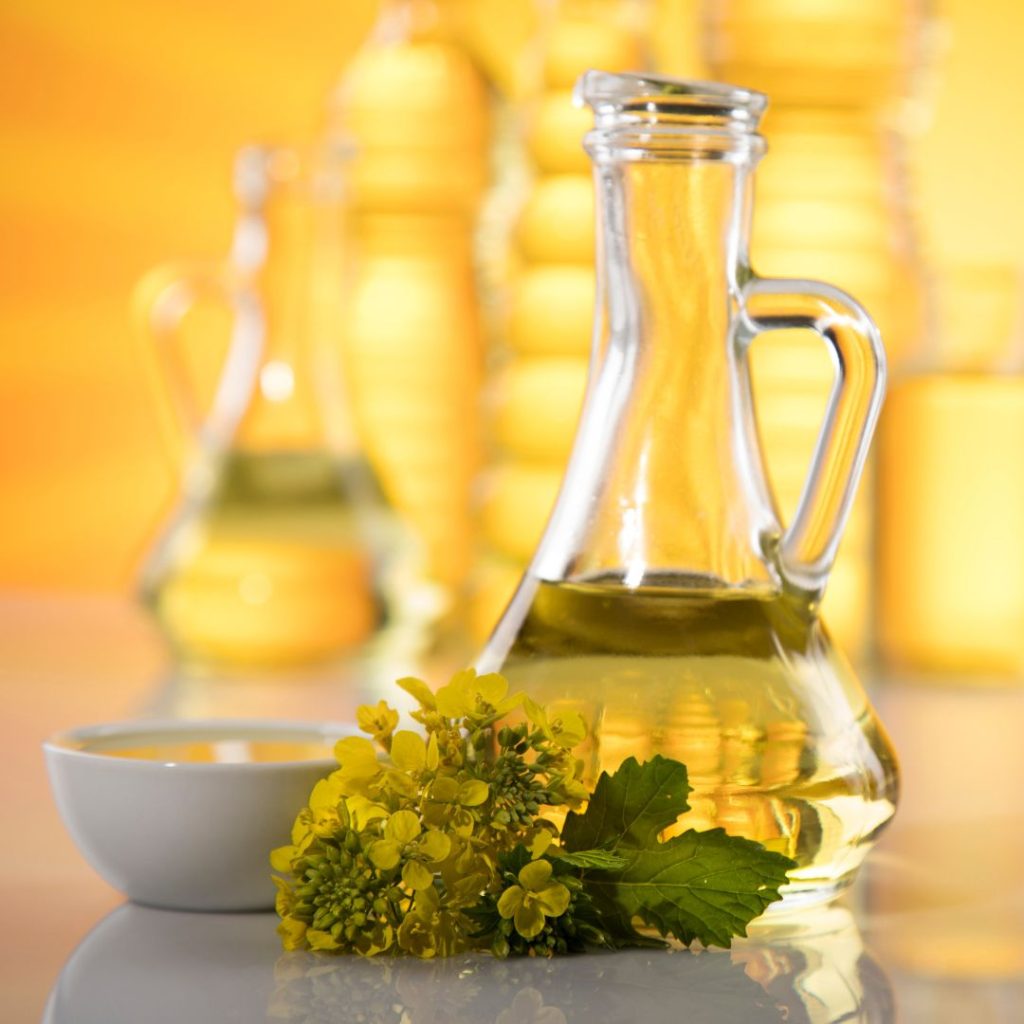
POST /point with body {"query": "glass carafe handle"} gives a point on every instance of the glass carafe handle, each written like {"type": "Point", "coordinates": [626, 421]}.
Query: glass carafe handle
{"type": "Point", "coordinates": [162, 299]}
{"type": "Point", "coordinates": [807, 548]}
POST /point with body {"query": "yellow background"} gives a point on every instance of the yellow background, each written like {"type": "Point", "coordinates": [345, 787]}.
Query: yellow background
{"type": "Point", "coordinates": [118, 122]}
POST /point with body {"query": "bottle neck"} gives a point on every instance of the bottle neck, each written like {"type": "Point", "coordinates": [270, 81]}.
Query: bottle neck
{"type": "Point", "coordinates": [290, 258]}
{"type": "Point", "coordinates": [665, 480]}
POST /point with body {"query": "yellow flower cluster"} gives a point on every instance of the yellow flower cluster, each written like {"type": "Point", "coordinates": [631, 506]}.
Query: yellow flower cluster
{"type": "Point", "coordinates": [399, 845]}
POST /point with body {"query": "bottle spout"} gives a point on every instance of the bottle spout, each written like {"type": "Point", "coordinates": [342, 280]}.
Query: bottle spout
{"type": "Point", "coordinates": [651, 116]}
{"type": "Point", "coordinates": [643, 98]}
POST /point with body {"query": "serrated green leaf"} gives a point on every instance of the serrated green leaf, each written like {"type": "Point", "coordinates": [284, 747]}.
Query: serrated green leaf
{"type": "Point", "coordinates": [700, 885]}
{"type": "Point", "coordinates": [598, 859]}
{"type": "Point", "coordinates": [630, 807]}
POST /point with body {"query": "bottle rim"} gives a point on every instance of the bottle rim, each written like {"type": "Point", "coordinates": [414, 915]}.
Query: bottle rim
{"type": "Point", "coordinates": [644, 116]}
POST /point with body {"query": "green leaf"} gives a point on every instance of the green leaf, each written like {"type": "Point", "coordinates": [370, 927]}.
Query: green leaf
{"type": "Point", "coordinates": [600, 859]}
{"type": "Point", "coordinates": [699, 885]}
{"type": "Point", "coordinates": [630, 807]}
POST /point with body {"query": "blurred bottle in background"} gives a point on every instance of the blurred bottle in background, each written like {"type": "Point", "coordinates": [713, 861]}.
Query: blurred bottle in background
{"type": "Point", "coordinates": [951, 489]}
{"type": "Point", "coordinates": [541, 339]}
{"type": "Point", "coordinates": [832, 203]}
{"type": "Point", "coordinates": [416, 108]}
{"type": "Point", "coordinates": [282, 552]}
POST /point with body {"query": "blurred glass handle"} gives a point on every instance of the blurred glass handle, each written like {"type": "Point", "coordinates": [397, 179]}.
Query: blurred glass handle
{"type": "Point", "coordinates": [807, 548]}
{"type": "Point", "coordinates": [162, 300]}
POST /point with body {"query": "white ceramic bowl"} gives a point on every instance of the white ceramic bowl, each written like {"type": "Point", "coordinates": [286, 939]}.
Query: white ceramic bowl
{"type": "Point", "coordinates": [183, 835]}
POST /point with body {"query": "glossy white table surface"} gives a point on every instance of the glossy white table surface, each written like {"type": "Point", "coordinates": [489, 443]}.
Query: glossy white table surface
{"type": "Point", "coordinates": [932, 933]}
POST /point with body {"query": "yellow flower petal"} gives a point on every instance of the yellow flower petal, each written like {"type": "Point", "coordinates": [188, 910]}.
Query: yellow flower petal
{"type": "Point", "coordinates": [456, 699]}
{"type": "Point", "coordinates": [414, 937]}
{"type": "Point", "coordinates": [462, 823]}
{"type": "Point", "coordinates": [326, 823]}
{"type": "Point", "coordinates": [366, 717]}
{"type": "Point", "coordinates": [416, 876]}
{"type": "Point", "coordinates": [433, 754]}
{"type": "Point", "coordinates": [385, 853]}
{"type": "Point", "coordinates": [569, 729]}
{"type": "Point", "coordinates": [281, 858]}
{"type": "Point", "coordinates": [362, 811]}
{"type": "Point", "coordinates": [435, 815]}
{"type": "Point", "coordinates": [535, 875]}
{"type": "Point", "coordinates": [284, 898]}
{"type": "Point", "coordinates": [503, 707]}
{"type": "Point", "coordinates": [444, 790]}
{"type": "Point", "coordinates": [467, 887]}
{"type": "Point", "coordinates": [553, 899]}
{"type": "Point", "coordinates": [510, 901]}
{"type": "Point", "coordinates": [540, 842]}
{"type": "Point", "coordinates": [408, 751]}
{"type": "Point", "coordinates": [419, 691]}
{"type": "Point", "coordinates": [292, 932]}
{"type": "Point", "coordinates": [434, 845]}
{"type": "Point", "coordinates": [491, 687]}
{"type": "Point", "coordinates": [301, 827]}
{"type": "Point", "coordinates": [321, 940]}
{"type": "Point", "coordinates": [403, 827]}
{"type": "Point", "coordinates": [529, 920]}
{"type": "Point", "coordinates": [473, 792]}
{"type": "Point", "coordinates": [377, 941]}
{"type": "Point", "coordinates": [427, 902]}
{"type": "Point", "coordinates": [534, 712]}
{"type": "Point", "coordinates": [357, 757]}
{"type": "Point", "coordinates": [378, 720]}
{"type": "Point", "coordinates": [326, 793]}
{"type": "Point", "coordinates": [398, 782]}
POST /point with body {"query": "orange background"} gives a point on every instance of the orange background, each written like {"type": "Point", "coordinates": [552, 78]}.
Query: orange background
{"type": "Point", "coordinates": [119, 123]}
{"type": "Point", "coordinates": [119, 120]}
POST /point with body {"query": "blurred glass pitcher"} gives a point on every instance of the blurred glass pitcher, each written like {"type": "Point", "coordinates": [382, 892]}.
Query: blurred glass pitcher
{"type": "Point", "coordinates": [275, 555]}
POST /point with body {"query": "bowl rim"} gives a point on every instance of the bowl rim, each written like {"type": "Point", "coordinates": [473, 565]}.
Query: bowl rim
{"type": "Point", "coordinates": [65, 742]}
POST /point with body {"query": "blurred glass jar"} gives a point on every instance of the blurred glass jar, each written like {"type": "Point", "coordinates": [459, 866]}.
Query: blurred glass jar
{"type": "Point", "coordinates": [281, 551]}
{"type": "Point", "coordinates": [856, 53]}
{"type": "Point", "coordinates": [542, 336]}
{"type": "Point", "coordinates": [951, 490]}
{"type": "Point", "coordinates": [832, 202]}
{"type": "Point", "coordinates": [416, 107]}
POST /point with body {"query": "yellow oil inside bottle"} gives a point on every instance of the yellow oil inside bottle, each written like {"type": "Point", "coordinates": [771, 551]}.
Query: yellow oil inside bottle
{"type": "Point", "coordinates": [741, 685]}
{"type": "Point", "coordinates": [274, 568]}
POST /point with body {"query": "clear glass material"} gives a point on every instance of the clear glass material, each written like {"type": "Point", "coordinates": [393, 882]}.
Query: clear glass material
{"type": "Point", "coordinates": [666, 600]}
{"type": "Point", "coordinates": [541, 272]}
{"type": "Point", "coordinates": [412, 328]}
{"type": "Point", "coordinates": [277, 553]}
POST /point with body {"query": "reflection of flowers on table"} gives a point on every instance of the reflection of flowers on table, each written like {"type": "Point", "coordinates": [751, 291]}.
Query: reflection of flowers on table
{"type": "Point", "coordinates": [652, 986]}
